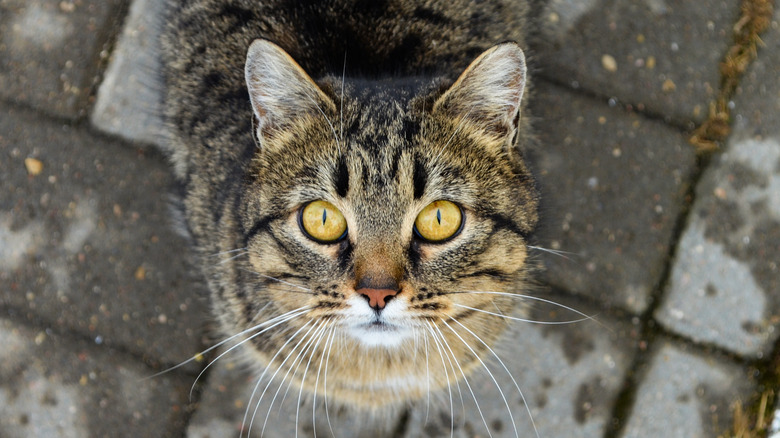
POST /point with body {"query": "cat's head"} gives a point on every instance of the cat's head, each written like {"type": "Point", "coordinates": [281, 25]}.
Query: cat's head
{"type": "Point", "coordinates": [382, 212]}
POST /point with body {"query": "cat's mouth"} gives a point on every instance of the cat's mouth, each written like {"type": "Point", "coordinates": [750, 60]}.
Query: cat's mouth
{"type": "Point", "coordinates": [379, 333]}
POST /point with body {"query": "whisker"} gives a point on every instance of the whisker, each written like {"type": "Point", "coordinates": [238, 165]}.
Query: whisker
{"type": "Point", "coordinates": [514, 318]}
{"type": "Point", "coordinates": [446, 375]}
{"type": "Point", "coordinates": [320, 336]}
{"type": "Point", "coordinates": [465, 379]}
{"type": "Point", "coordinates": [332, 129]}
{"type": "Point", "coordinates": [278, 280]}
{"type": "Point", "coordinates": [325, 349]}
{"type": "Point", "coordinates": [306, 338]}
{"type": "Point", "coordinates": [530, 297]}
{"type": "Point", "coordinates": [199, 356]}
{"type": "Point", "coordinates": [427, 379]}
{"type": "Point", "coordinates": [230, 251]}
{"type": "Point", "coordinates": [327, 412]}
{"type": "Point", "coordinates": [281, 321]}
{"type": "Point", "coordinates": [492, 377]}
{"type": "Point", "coordinates": [265, 370]}
{"type": "Point", "coordinates": [233, 257]}
{"type": "Point", "coordinates": [556, 252]}
{"type": "Point", "coordinates": [517, 386]}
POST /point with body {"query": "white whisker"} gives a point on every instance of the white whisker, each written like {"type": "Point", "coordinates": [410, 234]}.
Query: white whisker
{"type": "Point", "coordinates": [199, 356]}
{"type": "Point", "coordinates": [465, 379]}
{"type": "Point", "coordinates": [325, 350]}
{"type": "Point", "coordinates": [427, 379]}
{"type": "Point", "coordinates": [268, 366]}
{"type": "Point", "coordinates": [320, 336]}
{"type": "Point", "coordinates": [325, 384]}
{"type": "Point", "coordinates": [230, 251]}
{"type": "Point", "coordinates": [492, 377]}
{"type": "Point", "coordinates": [514, 318]}
{"type": "Point", "coordinates": [279, 280]}
{"type": "Point", "coordinates": [281, 321]}
{"type": "Point", "coordinates": [556, 252]}
{"type": "Point", "coordinates": [233, 257]}
{"type": "Point", "coordinates": [332, 129]}
{"type": "Point", "coordinates": [305, 338]}
{"type": "Point", "coordinates": [517, 386]}
{"type": "Point", "coordinates": [442, 354]}
{"type": "Point", "coordinates": [533, 298]}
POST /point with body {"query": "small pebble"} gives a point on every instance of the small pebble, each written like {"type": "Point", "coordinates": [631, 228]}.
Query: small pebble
{"type": "Point", "coordinates": [34, 166]}
{"type": "Point", "coordinates": [609, 63]}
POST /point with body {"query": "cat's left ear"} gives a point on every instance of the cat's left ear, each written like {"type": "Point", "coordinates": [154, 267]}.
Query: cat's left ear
{"type": "Point", "coordinates": [489, 92]}
{"type": "Point", "coordinates": [281, 92]}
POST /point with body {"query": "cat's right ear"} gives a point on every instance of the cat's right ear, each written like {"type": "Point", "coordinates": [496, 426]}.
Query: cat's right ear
{"type": "Point", "coordinates": [281, 92]}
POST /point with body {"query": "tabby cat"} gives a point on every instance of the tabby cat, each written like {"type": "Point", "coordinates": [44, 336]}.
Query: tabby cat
{"type": "Point", "coordinates": [355, 185]}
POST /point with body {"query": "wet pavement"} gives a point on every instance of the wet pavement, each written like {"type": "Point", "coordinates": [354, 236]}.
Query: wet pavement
{"type": "Point", "coordinates": [674, 253]}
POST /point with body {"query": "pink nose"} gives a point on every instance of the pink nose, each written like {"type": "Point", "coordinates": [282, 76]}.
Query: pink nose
{"type": "Point", "coordinates": [377, 298]}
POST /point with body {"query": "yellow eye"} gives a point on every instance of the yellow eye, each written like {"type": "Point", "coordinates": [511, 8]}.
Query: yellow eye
{"type": "Point", "coordinates": [323, 222]}
{"type": "Point", "coordinates": [439, 221]}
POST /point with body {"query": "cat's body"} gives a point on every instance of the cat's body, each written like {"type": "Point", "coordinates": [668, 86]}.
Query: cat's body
{"type": "Point", "coordinates": [384, 312]}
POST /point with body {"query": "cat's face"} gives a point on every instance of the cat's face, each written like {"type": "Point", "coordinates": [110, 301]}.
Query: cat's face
{"type": "Point", "coordinates": [387, 218]}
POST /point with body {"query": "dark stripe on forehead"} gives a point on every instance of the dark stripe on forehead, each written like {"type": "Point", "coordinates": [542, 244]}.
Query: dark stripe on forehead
{"type": "Point", "coordinates": [341, 178]}
{"type": "Point", "coordinates": [419, 178]}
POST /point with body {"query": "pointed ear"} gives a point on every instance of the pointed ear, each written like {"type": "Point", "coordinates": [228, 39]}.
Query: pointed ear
{"type": "Point", "coordinates": [280, 91]}
{"type": "Point", "coordinates": [489, 93]}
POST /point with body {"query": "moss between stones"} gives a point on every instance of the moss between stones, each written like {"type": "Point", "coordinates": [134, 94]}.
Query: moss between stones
{"type": "Point", "coordinates": [755, 18]}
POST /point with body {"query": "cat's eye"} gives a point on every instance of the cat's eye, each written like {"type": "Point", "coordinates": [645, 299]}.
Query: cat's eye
{"type": "Point", "coordinates": [323, 222]}
{"type": "Point", "coordinates": [439, 221]}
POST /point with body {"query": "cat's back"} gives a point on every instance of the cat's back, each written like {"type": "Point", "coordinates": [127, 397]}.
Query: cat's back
{"type": "Point", "coordinates": [377, 37]}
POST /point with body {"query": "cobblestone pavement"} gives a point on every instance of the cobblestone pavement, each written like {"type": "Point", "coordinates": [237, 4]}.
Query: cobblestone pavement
{"type": "Point", "coordinates": [675, 254]}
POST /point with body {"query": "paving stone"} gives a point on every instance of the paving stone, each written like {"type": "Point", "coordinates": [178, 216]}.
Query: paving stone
{"type": "Point", "coordinates": [54, 386]}
{"type": "Point", "coordinates": [686, 394]}
{"type": "Point", "coordinates": [725, 279]}
{"type": "Point", "coordinates": [51, 51]}
{"type": "Point", "coordinates": [569, 374]}
{"type": "Point", "coordinates": [129, 101]}
{"type": "Point", "coordinates": [613, 186]}
{"type": "Point", "coordinates": [659, 56]}
{"type": "Point", "coordinates": [86, 242]}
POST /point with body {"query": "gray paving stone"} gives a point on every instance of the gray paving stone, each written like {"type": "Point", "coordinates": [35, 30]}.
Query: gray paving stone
{"type": "Point", "coordinates": [613, 186]}
{"type": "Point", "coordinates": [129, 98]}
{"type": "Point", "coordinates": [51, 51]}
{"type": "Point", "coordinates": [52, 386]}
{"type": "Point", "coordinates": [87, 243]}
{"type": "Point", "coordinates": [725, 280]}
{"type": "Point", "coordinates": [659, 56]}
{"type": "Point", "coordinates": [686, 395]}
{"type": "Point", "coordinates": [569, 374]}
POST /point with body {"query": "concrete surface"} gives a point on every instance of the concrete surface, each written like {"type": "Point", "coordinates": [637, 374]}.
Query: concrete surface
{"type": "Point", "coordinates": [675, 257]}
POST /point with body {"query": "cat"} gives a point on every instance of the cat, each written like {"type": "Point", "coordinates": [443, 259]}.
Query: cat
{"type": "Point", "coordinates": [355, 185]}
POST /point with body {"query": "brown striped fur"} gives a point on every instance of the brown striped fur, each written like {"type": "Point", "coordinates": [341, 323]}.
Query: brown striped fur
{"type": "Point", "coordinates": [414, 119]}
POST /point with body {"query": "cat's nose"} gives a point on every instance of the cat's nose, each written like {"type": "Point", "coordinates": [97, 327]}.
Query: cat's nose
{"type": "Point", "coordinates": [377, 298]}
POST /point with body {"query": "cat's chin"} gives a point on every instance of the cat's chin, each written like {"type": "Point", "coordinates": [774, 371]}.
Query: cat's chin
{"type": "Point", "coordinates": [380, 334]}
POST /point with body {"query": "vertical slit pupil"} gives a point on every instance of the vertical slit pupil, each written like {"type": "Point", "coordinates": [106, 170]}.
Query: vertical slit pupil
{"type": "Point", "coordinates": [324, 215]}
{"type": "Point", "coordinates": [438, 216]}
